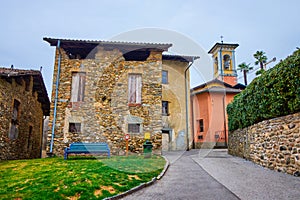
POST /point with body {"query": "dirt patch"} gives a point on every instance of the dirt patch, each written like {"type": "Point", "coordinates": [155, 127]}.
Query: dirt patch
{"type": "Point", "coordinates": [110, 189]}
{"type": "Point", "coordinates": [98, 193]}
{"type": "Point", "coordinates": [75, 197]}
{"type": "Point", "coordinates": [118, 184]}
{"type": "Point", "coordinates": [131, 177]}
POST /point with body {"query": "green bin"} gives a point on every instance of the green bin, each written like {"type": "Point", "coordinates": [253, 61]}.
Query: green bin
{"type": "Point", "coordinates": [147, 149]}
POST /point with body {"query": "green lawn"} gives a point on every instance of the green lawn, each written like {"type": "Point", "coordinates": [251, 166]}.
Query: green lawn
{"type": "Point", "coordinates": [76, 178]}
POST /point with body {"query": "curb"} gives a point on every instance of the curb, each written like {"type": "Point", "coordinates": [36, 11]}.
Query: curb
{"type": "Point", "coordinates": [143, 185]}
{"type": "Point", "coordinates": [165, 169]}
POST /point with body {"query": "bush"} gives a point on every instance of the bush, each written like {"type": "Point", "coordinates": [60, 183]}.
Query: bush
{"type": "Point", "coordinates": [275, 93]}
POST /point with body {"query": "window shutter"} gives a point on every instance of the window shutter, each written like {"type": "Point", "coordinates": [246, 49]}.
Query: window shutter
{"type": "Point", "coordinates": [138, 88]}
{"type": "Point", "coordinates": [75, 84]}
{"type": "Point", "coordinates": [134, 88]}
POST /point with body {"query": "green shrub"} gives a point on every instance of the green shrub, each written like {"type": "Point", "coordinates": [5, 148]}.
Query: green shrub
{"type": "Point", "coordinates": [275, 93]}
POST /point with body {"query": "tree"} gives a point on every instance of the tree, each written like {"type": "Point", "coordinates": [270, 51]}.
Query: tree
{"type": "Point", "coordinates": [261, 58]}
{"type": "Point", "coordinates": [243, 67]}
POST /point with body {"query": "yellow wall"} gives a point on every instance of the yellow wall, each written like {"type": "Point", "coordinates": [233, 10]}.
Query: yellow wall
{"type": "Point", "coordinates": [174, 93]}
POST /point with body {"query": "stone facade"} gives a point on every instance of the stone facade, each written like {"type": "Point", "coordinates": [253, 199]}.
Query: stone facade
{"type": "Point", "coordinates": [21, 86]}
{"type": "Point", "coordinates": [273, 143]}
{"type": "Point", "coordinates": [105, 113]}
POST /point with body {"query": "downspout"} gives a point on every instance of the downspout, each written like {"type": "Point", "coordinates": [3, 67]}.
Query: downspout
{"type": "Point", "coordinates": [187, 105]}
{"type": "Point", "coordinates": [56, 97]}
{"type": "Point", "coordinates": [224, 108]}
{"type": "Point", "coordinates": [193, 129]}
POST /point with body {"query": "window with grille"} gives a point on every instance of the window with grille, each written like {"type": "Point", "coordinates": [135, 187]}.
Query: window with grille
{"type": "Point", "coordinates": [133, 128]}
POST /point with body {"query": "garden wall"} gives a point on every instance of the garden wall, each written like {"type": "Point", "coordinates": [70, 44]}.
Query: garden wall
{"type": "Point", "coordinates": [273, 143]}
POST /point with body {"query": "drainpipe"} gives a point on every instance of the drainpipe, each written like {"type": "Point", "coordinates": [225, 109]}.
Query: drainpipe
{"type": "Point", "coordinates": [224, 109]}
{"type": "Point", "coordinates": [56, 97]}
{"type": "Point", "coordinates": [187, 105]}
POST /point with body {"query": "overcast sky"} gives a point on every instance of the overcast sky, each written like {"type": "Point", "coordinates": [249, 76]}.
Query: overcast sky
{"type": "Point", "coordinates": [269, 25]}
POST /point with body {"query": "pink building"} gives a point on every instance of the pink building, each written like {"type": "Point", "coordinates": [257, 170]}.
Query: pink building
{"type": "Point", "coordinates": [209, 100]}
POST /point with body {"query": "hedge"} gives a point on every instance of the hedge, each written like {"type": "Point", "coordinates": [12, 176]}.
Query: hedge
{"type": "Point", "coordinates": [275, 93]}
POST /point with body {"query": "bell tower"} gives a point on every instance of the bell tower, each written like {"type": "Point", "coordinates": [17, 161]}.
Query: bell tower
{"type": "Point", "coordinates": [223, 55]}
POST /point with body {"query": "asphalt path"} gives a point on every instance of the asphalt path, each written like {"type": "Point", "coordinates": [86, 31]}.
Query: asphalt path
{"type": "Point", "coordinates": [211, 174]}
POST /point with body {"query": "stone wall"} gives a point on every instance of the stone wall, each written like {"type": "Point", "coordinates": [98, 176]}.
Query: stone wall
{"type": "Point", "coordinates": [104, 114]}
{"type": "Point", "coordinates": [273, 143]}
{"type": "Point", "coordinates": [31, 115]}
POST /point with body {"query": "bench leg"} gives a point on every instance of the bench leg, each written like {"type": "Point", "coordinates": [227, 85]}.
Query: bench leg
{"type": "Point", "coordinates": [65, 155]}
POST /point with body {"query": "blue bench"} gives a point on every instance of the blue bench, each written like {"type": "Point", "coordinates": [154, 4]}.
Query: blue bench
{"type": "Point", "coordinates": [87, 148]}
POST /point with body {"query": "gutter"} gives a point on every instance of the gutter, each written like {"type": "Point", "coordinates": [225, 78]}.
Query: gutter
{"type": "Point", "coordinates": [187, 105]}
{"type": "Point", "coordinates": [56, 97]}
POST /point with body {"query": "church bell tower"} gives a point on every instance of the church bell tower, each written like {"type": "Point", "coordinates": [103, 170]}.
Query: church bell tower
{"type": "Point", "coordinates": [223, 55]}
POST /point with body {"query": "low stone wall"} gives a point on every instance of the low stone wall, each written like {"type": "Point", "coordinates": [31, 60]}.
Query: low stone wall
{"type": "Point", "coordinates": [273, 143]}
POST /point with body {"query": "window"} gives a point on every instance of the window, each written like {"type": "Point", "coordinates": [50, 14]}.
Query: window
{"type": "Point", "coordinates": [165, 108]}
{"type": "Point", "coordinates": [133, 128]}
{"type": "Point", "coordinates": [201, 126]}
{"type": "Point", "coordinates": [165, 77]}
{"type": "Point", "coordinates": [200, 137]}
{"type": "Point", "coordinates": [134, 88]}
{"type": "Point", "coordinates": [74, 127]}
{"type": "Point", "coordinates": [78, 84]}
{"type": "Point", "coordinates": [13, 131]}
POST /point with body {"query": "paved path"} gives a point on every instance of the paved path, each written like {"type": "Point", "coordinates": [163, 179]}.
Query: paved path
{"type": "Point", "coordinates": [213, 174]}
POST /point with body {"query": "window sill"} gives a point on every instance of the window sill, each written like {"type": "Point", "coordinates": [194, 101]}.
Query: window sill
{"type": "Point", "coordinates": [134, 104]}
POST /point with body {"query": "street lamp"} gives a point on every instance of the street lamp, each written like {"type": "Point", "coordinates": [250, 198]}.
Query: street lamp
{"type": "Point", "coordinates": [265, 65]}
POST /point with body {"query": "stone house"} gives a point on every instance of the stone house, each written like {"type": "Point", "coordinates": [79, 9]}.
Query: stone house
{"type": "Point", "coordinates": [103, 90]}
{"type": "Point", "coordinates": [209, 100]}
{"type": "Point", "coordinates": [23, 104]}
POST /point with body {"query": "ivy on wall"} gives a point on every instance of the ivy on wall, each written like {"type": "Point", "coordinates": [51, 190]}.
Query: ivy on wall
{"type": "Point", "coordinates": [275, 93]}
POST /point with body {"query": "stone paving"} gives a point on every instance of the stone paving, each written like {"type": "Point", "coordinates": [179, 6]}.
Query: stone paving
{"type": "Point", "coordinates": [213, 174]}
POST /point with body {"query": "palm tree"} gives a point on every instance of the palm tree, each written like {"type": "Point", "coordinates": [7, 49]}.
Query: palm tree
{"type": "Point", "coordinates": [261, 58]}
{"type": "Point", "coordinates": [245, 69]}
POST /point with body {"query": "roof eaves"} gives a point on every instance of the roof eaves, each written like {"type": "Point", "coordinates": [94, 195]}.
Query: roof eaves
{"type": "Point", "coordinates": [222, 44]}
{"type": "Point", "coordinates": [137, 45]}
{"type": "Point", "coordinates": [181, 58]}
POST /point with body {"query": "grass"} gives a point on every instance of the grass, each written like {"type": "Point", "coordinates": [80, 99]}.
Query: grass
{"type": "Point", "coordinates": [76, 178]}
